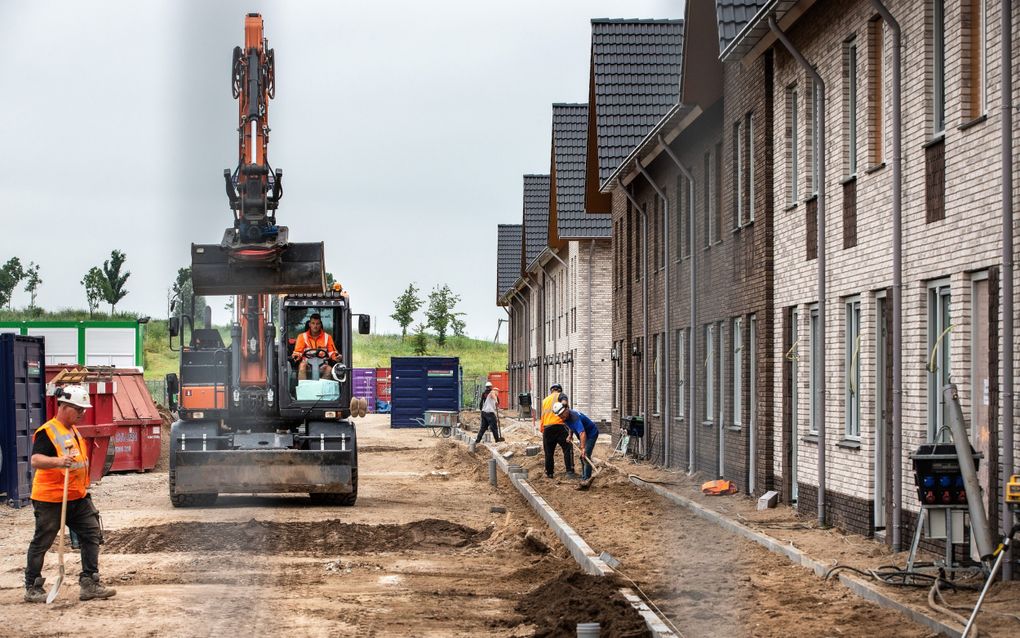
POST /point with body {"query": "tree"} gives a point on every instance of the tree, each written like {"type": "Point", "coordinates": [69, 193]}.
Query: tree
{"type": "Point", "coordinates": [32, 281]}
{"type": "Point", "coordinates": [113, 281]}
{"type": "Point", "coordinates": [11, 275]}
{"type": "Point", "coordinates": [420, 341]}
{"type": "Point", "coordinates": [457, 324]}
{"type": "Point", "coordinates": [329, 280]}
{"type": "Point", "coordinates": [183, 288]}
{"type": "Point", "coordinates": [93, 282]}
{"type": "Point", "coordinates": [404, 308]}
{"type": "Point", "coordinates": [440, 314]}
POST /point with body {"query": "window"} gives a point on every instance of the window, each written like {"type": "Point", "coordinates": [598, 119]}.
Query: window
{"type": "Point", "coordinates": [876, 50]}
{"type": "Point", "coordinates": [792, 149]}
{"type": "Point", "coordinates": [749, 149]}
{"type": "Point", "coordinates": [938, 355]}
{"type": "Point", "coordinates": [938, 80]}
{"type": "Point", "coordinates": [794, 356]}
{"type": "Point", "coordinates": [657, 371]}
{"type": "Point", "coordinates": [815, 372]}
{"type": "Point", "coordinates": [717, 193]}
{"type": "Point", "coordinates": [738, 176]}
{"type": "Point", "coordinates": [709, 401]}
{"type": "Point", "coordinates": [975, 25]}
{"type": "Point", "coordinates": [660, 232]}
{"type": "Point", "coordinates": [850, 104]}
{"type": "Point", "coordinates": [681, 373]}
{"type": "Point", "coordinates": [684, 208]}
{"type": "Point", "coordinates": [852, 366]}
{"type": "Point", "coordinates": [810, 152]}
{"type": "Point", "coordinates": [706, 201]}
{"type": "Point", "coordinates": [722, 374]}
{"type": "Point", "coordinates": [738, 370]}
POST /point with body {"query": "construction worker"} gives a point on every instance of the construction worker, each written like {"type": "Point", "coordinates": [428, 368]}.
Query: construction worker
{"type": "Point", "coordinates": [315, 338]}
{"type": "Point", "coordinates": [554, 433]}
{"type": "Point", "coordinates": [490, 415]}
{"type": "Point", "coordinates": [58, 448]}
{"type": "Point", "coordinates": [585, 429]}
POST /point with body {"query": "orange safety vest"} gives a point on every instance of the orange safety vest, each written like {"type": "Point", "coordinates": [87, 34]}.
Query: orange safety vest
{"type": "Point", "coordinates": [48, 484]}
{"type": "Point", "coordinates": [548, 418]}
{"type": "Point", "coordinates": [305, 341]}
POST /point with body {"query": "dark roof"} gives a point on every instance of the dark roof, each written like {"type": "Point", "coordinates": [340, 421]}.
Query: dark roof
{"type": "Point", "coordinates": [635, 66]}
{"type": "Point", "coordinates": [508, 257]}
{"type": "Point", "coordinates": [733, 16]}
{"type": "Point", "coordinates": [569, 136]}
{"type": "Point", "coordinates": [536, 216]}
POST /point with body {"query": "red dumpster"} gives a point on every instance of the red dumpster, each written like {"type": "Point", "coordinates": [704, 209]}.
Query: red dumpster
{"type": "Point", "coordinates": [96, 425]}
{"type": "Point", "coordinates": [501, 381]}
{"type": "Point", "coordinates": [382, 384]}
{"type": "Point", "coordinates": [137, 438]}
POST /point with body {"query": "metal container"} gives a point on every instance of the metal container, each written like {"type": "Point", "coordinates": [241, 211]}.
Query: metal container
{"type": "Point", "coordinates": [420, 384]}
{"type": "Point", "coordinates": [22, 411]}
{"type": "Point", "coordinates": [501, 381]}
{"type": "Point", "coordinates": [137, 440]}
{"type": "Point", "coordinates": [363, 385]}
{"type": "Point", "coordinates": [383, 395]}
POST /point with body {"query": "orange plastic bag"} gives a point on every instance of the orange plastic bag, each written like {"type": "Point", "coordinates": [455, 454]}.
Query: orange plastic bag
{"type": "Point", "coordinates": [720, 487]}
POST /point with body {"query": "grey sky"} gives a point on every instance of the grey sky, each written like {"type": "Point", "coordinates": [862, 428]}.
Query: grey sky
{"type": "Point", "coordinates": [402, 128]}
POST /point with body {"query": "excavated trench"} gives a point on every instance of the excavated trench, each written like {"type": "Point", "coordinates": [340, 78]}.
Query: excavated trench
{"type": "Point", "coordinates": [270, 537]}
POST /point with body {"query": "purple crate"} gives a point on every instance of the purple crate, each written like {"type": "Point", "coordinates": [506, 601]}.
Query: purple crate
{"type": "Point", "coordinates": [363, 385]}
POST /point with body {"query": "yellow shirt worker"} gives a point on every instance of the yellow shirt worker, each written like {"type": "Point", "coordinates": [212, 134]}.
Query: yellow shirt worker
{"type": "Point", "coordinates": [555, 433]}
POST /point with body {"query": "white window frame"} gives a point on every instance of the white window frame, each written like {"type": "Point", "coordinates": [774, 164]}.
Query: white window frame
{"type": "Point", "coordinates": [938, 79]}
{"type": "Point", "coordinates": [722, 373]}
{"type": "Point", "coordinates": [737, 337]}
{"type": "Point", "coordinates": [852, 367]}
{"type": "Point", "coordinates": [657, 370]}
{"type": "Point", "coordinates": [738, 162]}
{"type": "Point", "coordinates": [939, 321]}
{"type": "Point", "coordinates": [850, 60]}
{"type": "Point", "coordinates": [681, 377]}
{"type": "Point", "coordinates": [709, 372]}
{"type": "Point", "coordinates": [750, 167]}
{"type": "Point", "coordinates": [813, 369]}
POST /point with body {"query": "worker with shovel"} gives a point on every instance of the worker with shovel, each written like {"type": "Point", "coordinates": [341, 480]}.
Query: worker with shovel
{"type": "Point", "coordinates": [587, 432]}
{"type": "Point", "coordinates": [60, 497]}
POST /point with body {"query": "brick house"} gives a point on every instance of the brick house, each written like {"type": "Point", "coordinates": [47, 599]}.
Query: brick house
{"type": "Point", "coordinates": [841, 386]}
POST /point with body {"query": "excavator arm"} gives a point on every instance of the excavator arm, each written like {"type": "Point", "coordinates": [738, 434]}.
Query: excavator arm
{"type": "Point", "coordinates": [255, 255]}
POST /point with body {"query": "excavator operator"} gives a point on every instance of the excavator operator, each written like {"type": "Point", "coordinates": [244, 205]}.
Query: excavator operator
{"type": "Point", "coordinates": [315, 338]}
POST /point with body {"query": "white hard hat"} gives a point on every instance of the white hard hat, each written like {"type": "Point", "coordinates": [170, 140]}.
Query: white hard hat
{"type": "Point", "coordinates": [558, 408]}
{"type": "Point", "coordinates": [488, 384]}
{"type": "Point", "coordinates": [73, 394]}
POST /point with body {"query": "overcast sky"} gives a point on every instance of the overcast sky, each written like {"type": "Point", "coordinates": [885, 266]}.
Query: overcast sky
{"type": "Point", "coordinates": [402, 128]}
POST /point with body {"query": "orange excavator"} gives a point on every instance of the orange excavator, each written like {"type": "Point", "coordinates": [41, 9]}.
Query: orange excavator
{"type": "Point", "coordinates": [247, 422]}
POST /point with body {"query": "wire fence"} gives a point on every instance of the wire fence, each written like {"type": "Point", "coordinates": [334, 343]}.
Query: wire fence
{"type": "Point", "coordinates": [157, 390]}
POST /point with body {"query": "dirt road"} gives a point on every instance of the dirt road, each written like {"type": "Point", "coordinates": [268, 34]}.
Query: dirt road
{"type": "Point", "coordinates": [419, 555]}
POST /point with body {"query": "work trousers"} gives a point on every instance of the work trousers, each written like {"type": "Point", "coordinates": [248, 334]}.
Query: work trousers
{"type": "Point", "coordinates": [82, 517]}
{"type": "Point", "coordinates": [489, 422]}
{"type": "Point", "coordinates": [589, 447]}
{"type": "Point", "coordinates": [553, 435]}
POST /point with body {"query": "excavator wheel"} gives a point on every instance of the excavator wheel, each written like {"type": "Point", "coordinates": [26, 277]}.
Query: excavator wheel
{"type": "Point", "coordinates": [344, 500]}
{"type": "Point", "coordinates": [189, 500]}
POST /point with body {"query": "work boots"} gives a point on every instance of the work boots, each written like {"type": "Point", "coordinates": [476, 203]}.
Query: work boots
{"type": "Point", "coordinates": [91, 588]}
{"type": "Point", "coordinates": [35, 592]}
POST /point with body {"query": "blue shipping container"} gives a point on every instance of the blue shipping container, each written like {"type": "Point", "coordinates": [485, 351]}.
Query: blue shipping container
{"type": "Point", "coordinates": [420, 384]}
{"type": "Point", "coordinates": [22, 411]}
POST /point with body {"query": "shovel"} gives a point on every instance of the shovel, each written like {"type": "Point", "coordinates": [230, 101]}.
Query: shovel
{"type": "Point", "coordinates": [60, 551]}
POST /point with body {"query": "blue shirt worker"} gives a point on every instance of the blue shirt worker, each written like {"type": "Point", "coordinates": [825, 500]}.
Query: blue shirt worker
{"type": "Point", "coordinates": [586, 431]}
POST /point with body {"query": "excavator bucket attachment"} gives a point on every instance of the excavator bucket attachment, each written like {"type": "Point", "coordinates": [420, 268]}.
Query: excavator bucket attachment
{"type": "Point", "coordinates": [254, 270]}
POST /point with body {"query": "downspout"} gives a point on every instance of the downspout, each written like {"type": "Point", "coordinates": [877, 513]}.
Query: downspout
{"type": "Point", "coordinates": [591, 257]}
{"type": "Point", "coordinates": [691, 341]}
{"type": "Point", "coordinates": [896, 453]}
{"type": "Point", "coordinates": [1006, 58]}
{"type": "Point", "coordinates": [644, 304]}
{"type": "Point", "coordinates": [819, 91]}
{"type": "Point", "coordinates": [667, 414]}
